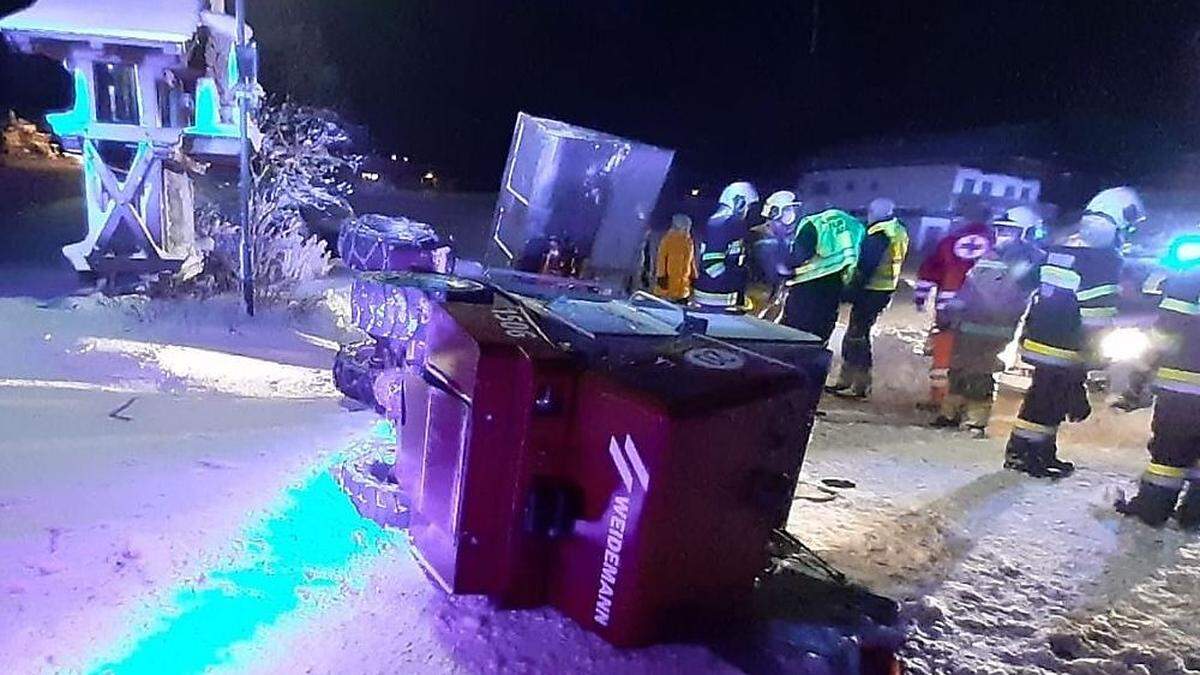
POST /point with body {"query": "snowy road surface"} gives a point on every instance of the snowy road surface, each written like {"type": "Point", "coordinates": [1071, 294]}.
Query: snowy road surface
{"type": "Point", "coordinates": [195, 527]}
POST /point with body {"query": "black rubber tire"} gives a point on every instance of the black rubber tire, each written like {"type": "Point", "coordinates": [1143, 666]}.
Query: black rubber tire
{"type": "Point", "coordinates": [354, 371]}
{"type": "Point", "coordinates": [367, 481]}
{"type": "Point", "coordinates": [395, 305]}
{"type": "Point", "coordinates": [377, 243]}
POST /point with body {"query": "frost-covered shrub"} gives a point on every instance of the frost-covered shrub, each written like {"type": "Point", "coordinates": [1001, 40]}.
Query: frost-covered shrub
{"type": "Point", "coordinates": [302, 168]}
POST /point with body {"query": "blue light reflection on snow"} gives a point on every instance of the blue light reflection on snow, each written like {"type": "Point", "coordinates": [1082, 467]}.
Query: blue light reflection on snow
{"type": "Point", "coordinates": [312, 544]}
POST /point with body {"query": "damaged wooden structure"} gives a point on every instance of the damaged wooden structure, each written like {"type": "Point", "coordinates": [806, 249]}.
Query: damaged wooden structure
{"type": "Point", "coordinates": [154, 102]}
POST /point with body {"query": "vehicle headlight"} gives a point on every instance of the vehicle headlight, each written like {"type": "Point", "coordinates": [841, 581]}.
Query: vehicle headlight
{"type": "Point", "coordinates": [1125, 344]}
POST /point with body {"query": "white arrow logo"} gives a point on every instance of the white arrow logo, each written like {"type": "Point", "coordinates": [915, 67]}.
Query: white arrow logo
{"type": "Point", "coordinates": [629, 463]}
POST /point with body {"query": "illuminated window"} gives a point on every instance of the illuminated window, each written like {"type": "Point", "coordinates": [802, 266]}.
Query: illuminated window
{"type": "Point", "coordinates": [968, 186]}
{"type": "Point", "coordinates": [116, 93]}
{"type": "Point", "coordinates": [985, 188]}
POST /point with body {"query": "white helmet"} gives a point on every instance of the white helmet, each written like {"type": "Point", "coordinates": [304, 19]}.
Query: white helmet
{"type": "Point", "coordinates": [1121, 205]}
{"type": "Point", "coordinates": [733, 191]}
{"type": "Point", "coordinates": [777, 202]}
{"type": "Point", "coordinates": [880, 208]}
{"type": "Point", "coordinates": [1019, 222]}
{"type": "Point", "coordinates": [1096, 230]}
{"type": "Point", "coordinates": [681, 220]}
{"type": "Point", "coordinates": [1023, 216]}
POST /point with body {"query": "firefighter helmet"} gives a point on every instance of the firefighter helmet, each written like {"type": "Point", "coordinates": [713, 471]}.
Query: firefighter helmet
{"type": "Point", "coordinates": [1019, 223]}
{"type": "Point", "coordinates": [1122, 205]}
{"type": "Point", "coordinates": [740, 191]}
{"type": "Point", "coordinates": [778, 203]}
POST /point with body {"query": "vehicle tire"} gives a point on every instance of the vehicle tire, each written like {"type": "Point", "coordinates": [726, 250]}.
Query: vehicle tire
{"type": "Point", "coordinates": [354, 371]}
{"type": "Point", "coordinates": [376, 496]}
{"type": "Point", "coordinates": [377, 243]}
{"type": "Point", "coordinates": [395, 305]}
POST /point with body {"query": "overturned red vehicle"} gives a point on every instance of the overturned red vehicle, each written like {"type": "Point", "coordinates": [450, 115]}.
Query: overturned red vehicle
{"type": "Point", "coordinates": [624, 462]}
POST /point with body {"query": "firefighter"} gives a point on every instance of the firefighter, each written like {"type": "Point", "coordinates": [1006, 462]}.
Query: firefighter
{"type": "Point", "coordinates": [1175, 441]}
{"type": "Point", "coordinates": [1077, 291]}
{"type": "Point", "coordinates": [768, 248]}
{"type": "Point", "coordinates": [870, 292]}
{"type": "Point", "coordinates": [940, 277]}
{"type": "Point", "coordinates": [675, 265]}
{"type": "Point", "coordinates": [984, 316]}
{"type": "Point", "coordinates": [721, 282]}
{"type": "Point", "coordinates": [821, 257]}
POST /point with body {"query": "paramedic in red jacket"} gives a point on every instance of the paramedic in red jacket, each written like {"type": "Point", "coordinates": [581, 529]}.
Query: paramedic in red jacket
{"type": "Point", "coordinates": [939, 279]}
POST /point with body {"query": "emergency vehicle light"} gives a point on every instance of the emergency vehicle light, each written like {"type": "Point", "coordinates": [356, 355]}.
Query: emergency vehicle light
{"type": "Point", "coordinates": [1184, 252]}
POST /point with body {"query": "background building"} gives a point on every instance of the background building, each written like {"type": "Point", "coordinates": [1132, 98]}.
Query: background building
{"type": "Point", "coordinates": [930, 176]}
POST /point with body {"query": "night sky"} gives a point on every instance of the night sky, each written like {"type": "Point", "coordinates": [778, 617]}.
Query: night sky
{"type": "Point", "coordinates": [734, 85]}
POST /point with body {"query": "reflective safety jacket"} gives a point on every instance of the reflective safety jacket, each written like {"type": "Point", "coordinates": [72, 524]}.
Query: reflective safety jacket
{"type": "Point", "coordinates": [1178, 327]}
{"type": "Point", "coordinates": [836, 237]}
{"type": "Point", "coordinates": [1075, 282]}
{"type": "Point", "coordinates": [722, 278]}
{"type": "Point", "coordinates": [884, 273]}
{"type": "Point", "coordinates": [947, 267]}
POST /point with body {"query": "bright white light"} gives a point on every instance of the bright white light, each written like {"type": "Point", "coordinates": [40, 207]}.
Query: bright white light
{"type": "Point", "coordinates": [1125, 345]}
{"type": "Point", "coordinates": [405, 158]}
{"type": "Point", "coordinates": [394, 157]}
{"type": "Point", "coordinates": [695, 192]}
{"type": "Point", "coordinates": [219, 371]}
{"type": "Point", "coordinates": [370, 176]}
{"type": "Point", "coordinates": [428, 175]}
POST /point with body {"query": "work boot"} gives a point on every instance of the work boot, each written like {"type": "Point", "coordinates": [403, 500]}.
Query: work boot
{"type": "Point", "coordinates": [943, 422]}
{"type": "Point", "coordinates": [853, 383]}
{"type": "Point", "coordinates": [1153, 504]}
{"type": "Point", "coordinates": [1036, 458]}
{"type": "Point", "coordinates": [858, 390]}
{"type": "Point", "coordinates": [1058, 468]}
{"type": "Point", "coordinates": [950, 413]}
{"type": "Point", "coordinates": [1188, 514]}
{"type": "Point", "coordinates": [977, 417]}
{"type": "Point", "coordinates": [1016, 454]}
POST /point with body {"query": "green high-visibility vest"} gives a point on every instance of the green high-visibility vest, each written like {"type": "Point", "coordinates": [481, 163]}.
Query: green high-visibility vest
{"type": "Point", "coordinates": [839, 235]}
{"type": "Point", "coordinates": [886, 277]}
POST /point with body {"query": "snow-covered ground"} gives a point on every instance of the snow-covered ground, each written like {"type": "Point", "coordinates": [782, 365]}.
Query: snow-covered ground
{"type": "Point", "coordinates": [164, 507]}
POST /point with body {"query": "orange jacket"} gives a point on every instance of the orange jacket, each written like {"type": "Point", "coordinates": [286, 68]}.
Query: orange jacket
{"type": "Point", "coordinates": [675, 267]}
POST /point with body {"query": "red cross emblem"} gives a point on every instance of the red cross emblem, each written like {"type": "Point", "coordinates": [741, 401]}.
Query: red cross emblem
{"type": "Point", "coordinates": [971, 246]}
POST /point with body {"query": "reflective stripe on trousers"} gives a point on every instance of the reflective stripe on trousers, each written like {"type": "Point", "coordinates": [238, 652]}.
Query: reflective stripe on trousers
{"type": "Point", "coordinates": [715, 299]}
{"type": "Point", "coordinates": [1165, 476]}
{"type": "Point", "coordinates": [1033, 431]}
{"type": "Point", "coordinates": [1181, 381]}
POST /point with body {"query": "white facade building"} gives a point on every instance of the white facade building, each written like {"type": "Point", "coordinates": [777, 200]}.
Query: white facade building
{"type": "Point", "coordinates": [928, 193]}
{"type": "Point", "coordinates": [930, 188]}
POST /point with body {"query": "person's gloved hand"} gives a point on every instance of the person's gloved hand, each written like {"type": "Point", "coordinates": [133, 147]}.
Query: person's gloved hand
{"type": "Point", "coordinates": [1078, 407]}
